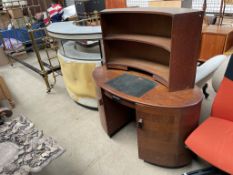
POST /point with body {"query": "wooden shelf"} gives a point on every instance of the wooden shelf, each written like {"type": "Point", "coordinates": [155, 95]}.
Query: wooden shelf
{"type": "Point", "coordinates": [162, 42]}
{"type": "Point", "coordinates": [158, 71]}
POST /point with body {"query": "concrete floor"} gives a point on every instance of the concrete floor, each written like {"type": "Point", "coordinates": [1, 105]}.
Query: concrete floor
{"type": "Point", "coordinates": [89, 151]}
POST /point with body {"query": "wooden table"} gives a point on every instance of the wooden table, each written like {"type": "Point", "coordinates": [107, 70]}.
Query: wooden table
{"type": "Point", "coordinates": [215, 40]}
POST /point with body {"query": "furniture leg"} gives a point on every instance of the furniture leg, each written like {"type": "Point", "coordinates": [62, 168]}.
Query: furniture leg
{"type": "Point", "coordinates": [113, 115]}
{"type": "Point", "coordinates": [204, 89]}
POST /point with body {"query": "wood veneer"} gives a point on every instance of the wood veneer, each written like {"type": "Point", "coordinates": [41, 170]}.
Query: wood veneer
{"type": "Point", "coordinates": [147, 34]}
{"type": "Point", "coordinates": [215, 40]}
{"type": "Point", "coordinates": [167, 117]}
{"type": "Point", "coordinates": [160, 45]}
{"type": "Point", "coordinates": [163, 42]}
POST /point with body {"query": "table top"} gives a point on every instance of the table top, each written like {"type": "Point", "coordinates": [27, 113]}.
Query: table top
{"type": "Point", "coordinates": [217, 29]}
{"type": "Point", "coordinates": [70, 31]}
{"type": "Point", "coordinates": [158, 96]}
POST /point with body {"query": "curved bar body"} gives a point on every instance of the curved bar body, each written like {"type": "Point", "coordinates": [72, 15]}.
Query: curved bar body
{"type": "Point", "coordinates": [78, 56]}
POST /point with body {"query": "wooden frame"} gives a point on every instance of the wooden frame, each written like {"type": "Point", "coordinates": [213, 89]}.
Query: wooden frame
{"type": "Point", "coordinates": [161, 42]}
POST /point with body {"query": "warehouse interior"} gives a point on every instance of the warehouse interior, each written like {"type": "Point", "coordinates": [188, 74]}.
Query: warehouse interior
{"type": "Point", "coordinates": [116, 87]}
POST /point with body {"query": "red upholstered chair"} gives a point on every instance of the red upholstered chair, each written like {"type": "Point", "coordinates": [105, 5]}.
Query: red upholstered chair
{"type": "Point", "coordinates": [213, 139]}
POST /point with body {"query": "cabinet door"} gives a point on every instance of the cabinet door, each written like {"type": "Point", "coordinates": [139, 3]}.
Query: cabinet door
{"type": "Point", "coordinates": [211, 45]}
{"type": "Point", "coordinates": [162, 132]}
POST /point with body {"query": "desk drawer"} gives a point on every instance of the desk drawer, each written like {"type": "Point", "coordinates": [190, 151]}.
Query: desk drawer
{"type": "Point", "coordinates": [118, 99]}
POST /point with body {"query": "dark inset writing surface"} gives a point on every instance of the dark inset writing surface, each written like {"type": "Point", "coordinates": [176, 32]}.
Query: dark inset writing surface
{"type": "Point", "coordinates": [132, 85]}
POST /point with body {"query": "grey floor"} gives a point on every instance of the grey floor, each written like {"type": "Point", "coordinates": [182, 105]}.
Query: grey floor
{"type": "Point", "coordinates": [89, 151]}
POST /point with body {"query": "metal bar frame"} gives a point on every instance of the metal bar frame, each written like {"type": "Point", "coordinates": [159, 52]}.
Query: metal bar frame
{"type": "Point", "coordinates": [45, 69]}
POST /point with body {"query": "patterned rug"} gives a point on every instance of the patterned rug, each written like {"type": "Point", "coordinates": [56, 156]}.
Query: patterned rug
{"type": "Point", "coordinates": [24, 149]}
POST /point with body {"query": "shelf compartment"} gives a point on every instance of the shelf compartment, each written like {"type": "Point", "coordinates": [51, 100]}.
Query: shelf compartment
{"type": "Point", "coordinates": [136, 23]}
{"type": "Point", "coordinates": [162, 42]}
{"type": "Point", "coordinates": [132, 49]}
{"type": "Point", "coordinates": [159, 72]}
{"type": "Point", "coordinates": [154, 35]}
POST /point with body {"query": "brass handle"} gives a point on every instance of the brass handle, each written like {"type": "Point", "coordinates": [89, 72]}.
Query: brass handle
{"type": "Point", "coordinates": [139, 123]}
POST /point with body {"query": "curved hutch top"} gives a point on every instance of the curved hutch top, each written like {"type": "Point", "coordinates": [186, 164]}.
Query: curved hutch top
{"type": "Point", "coordinates": [161, 42]}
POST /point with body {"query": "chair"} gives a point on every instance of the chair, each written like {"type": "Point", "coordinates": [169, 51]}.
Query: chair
{"type": "Point", "coordinates": [219, 74]}
{"type": "Point", "coordinates": [213, 139]}
{"type": "Point", "coordinates": [206, 71]}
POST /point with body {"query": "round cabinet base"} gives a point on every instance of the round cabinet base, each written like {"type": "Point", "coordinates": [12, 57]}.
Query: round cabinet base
{"type": "Point", "coordinates": [77, 75]}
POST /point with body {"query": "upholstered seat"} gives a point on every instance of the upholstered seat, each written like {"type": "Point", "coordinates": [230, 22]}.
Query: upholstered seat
{"type": "Point", "coordinates": [213, 139]}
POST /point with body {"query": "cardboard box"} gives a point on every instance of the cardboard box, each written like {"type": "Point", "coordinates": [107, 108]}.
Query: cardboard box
{"type": "Point", "coordinates": [15, 12]}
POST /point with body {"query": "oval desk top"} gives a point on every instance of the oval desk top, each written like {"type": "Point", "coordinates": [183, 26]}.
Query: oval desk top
{"type": "Point", "coordinates": [70, 31]}
{"type": "Point", "coordinates": [156, 97]}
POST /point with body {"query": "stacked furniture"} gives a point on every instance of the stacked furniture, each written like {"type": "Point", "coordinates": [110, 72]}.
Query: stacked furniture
{"type": "Point", "coordinates": [149, 74]}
